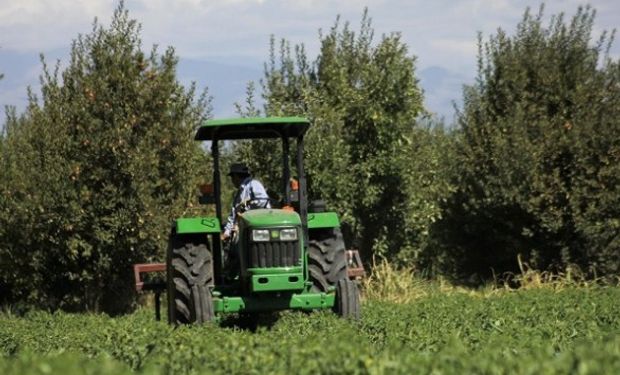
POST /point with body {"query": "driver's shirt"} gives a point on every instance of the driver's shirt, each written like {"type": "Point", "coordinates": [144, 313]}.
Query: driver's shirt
{"type": "Point", "coordinates": [251, 191]}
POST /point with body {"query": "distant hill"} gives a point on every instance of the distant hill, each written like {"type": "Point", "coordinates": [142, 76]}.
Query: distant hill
{"type": "Point", "coordinates": [225, 77]}
{"type": "Point", "coordinates": [226, 81]}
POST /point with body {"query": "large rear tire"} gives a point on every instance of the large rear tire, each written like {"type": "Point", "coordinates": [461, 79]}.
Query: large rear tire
{"type": "Point", "coordinates": [189, 275]}
{"type": "Point", "coordinates": [347, 299]}
{"type": "Point", "coordinates": [327, 262]}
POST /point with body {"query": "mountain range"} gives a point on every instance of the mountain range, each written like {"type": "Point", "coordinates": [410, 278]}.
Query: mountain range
{"type": "Point", "coordinates": [226, 79]}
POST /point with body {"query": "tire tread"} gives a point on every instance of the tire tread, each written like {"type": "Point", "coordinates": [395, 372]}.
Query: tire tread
{"type": "Point", "coordinates": [189, 273]}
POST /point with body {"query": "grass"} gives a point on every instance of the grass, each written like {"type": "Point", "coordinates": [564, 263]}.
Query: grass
{"type": "Point", "coordinates": [404, 285]}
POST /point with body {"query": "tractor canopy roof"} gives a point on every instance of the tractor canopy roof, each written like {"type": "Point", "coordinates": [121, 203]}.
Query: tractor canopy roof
{"type": "Point", "coordinates": [252, 127]}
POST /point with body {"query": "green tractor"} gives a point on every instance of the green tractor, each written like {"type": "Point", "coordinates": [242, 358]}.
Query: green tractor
{"type": "Point", "coordinates": [286, 257]}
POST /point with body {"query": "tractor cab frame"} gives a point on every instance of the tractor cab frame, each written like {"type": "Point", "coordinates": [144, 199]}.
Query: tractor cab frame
{"type": "Point", "coordinates": [283, 128]}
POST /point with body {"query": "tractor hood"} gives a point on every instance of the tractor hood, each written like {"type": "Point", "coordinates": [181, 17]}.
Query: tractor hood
{"type": "Point", "coordinates": [270, 217]}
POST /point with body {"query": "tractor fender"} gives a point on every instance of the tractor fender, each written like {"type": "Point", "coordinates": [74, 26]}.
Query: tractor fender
{"type": "Point", "coordinates": [189, 225]}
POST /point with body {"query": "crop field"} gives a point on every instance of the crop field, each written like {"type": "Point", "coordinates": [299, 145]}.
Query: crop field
{"type": "Point", "coordinates": [540, 331]}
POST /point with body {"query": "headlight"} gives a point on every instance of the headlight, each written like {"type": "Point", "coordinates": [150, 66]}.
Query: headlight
{"type": "Point", "coordinates": [260, 235]}
{"type": "Point", "coordinates": [288, 234]}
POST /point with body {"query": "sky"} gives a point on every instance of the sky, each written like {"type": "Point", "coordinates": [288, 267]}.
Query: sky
{"type": "Point", "coordinates": [222, 44]}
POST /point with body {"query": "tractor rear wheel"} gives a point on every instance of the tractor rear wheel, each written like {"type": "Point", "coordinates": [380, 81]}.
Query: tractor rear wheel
{"type": "Point", "coordinates": [189, 276]}
{"type": "Point", "coordinates": [327, 262]}
{"type": "Point", "coordinates": [347, 299]}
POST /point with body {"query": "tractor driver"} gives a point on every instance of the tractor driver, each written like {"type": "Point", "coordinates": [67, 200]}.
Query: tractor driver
{"type": "Point", "coordinates": [250, 194]}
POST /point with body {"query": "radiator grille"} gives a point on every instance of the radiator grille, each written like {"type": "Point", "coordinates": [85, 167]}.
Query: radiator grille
{"type": "Point", "coordinates": [274, 254]}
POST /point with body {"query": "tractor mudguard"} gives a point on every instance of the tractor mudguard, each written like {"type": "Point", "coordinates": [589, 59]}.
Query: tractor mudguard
{"type": "Point", "coordinates": [323, 220]}
{"type": "Point", "coordinates": [190, 225]}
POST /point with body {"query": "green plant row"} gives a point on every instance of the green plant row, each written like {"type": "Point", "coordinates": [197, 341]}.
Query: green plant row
{"type": "Point", "coordinates": [528, 332]}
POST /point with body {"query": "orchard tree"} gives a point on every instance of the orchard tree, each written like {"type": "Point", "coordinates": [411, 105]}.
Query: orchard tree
{"type": "Point", "coordinates": [94, 171]}
{"type": "Point", "coordinates": [539, 161]}
{"type": "Point", "coordinates": [364, 101]}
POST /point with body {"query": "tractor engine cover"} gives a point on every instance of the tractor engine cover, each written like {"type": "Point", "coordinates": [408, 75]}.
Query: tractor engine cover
{"type": "Point", "coordinates": [271, 241]}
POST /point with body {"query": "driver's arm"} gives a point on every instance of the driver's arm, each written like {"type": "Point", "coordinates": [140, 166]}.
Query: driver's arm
{"type": "Point", "coordinates": [240, 196]}
{"type": "Point", "coordinates": [230, 222]}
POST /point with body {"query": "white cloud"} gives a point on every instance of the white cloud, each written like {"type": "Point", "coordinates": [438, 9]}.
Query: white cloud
{"type": "Point", "coordinates": [28, 25]}
{"type": "Point", "coordinates": [202, 28]}
{"type": "Point", "coordinates": [455, 46]}
{"type": "Point", "coordinates": [440, 33]}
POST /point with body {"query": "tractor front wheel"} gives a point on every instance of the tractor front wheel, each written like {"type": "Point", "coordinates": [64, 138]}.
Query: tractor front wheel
{"type": "Point", "coordinates": [189, 276]}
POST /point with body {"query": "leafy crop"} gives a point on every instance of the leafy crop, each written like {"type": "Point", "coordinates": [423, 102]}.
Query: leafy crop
{"type": "Point", "coordinates": [534, 331]}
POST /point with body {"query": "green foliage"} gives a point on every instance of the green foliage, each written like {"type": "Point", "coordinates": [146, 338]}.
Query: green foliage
{"type": "Point", "coordinates": [63, 363]}
{"type": "Point", "coordinates": [94, 172]}
{"type": "Point", "coordinates": [539, 154]}
{"type": "Point", "coordinates": [427, 187]}
{"type": "Point", "coordinates": [524, 332]}
{"type": "Point", "coordinates": [365, 154]}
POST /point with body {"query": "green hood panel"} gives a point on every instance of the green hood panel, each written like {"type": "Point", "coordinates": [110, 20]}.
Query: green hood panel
{"type": "Point", "coordinates": [270, 217]}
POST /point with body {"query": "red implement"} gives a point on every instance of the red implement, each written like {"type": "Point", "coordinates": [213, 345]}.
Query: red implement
{"type": "Point", "coordinates": [139, 269]}
{"type": "Point", "coordinates": [157, 286]}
